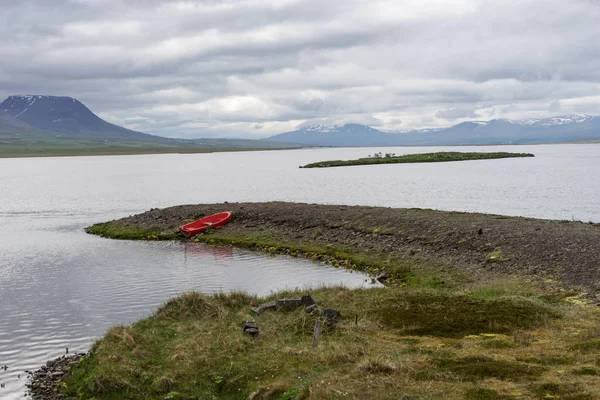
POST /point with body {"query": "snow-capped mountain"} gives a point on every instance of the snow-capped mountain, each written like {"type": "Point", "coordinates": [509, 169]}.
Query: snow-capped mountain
{"type": "Point", "coordinates": [496, 131]}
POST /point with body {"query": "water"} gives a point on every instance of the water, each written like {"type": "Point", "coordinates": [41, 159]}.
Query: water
{"type": "Point", "coordinates": [62, 288]}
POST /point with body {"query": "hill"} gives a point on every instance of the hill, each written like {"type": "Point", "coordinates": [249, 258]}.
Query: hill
{"type": "Point", "coordinates": [39, 125]}
{"type": "Point", "coordinates": [497, 131]}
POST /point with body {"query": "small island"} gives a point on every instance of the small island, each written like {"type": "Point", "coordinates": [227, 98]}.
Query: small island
{"type": "Point", "coordinates": [392, 158]}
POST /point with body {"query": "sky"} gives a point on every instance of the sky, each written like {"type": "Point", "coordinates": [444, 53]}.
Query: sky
{"type": "Point", "coordinates": [255, 68]}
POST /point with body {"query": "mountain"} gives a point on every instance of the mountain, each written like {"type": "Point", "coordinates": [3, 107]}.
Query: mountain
{"type": "Point", "coordinates": [497, 131]}
{"type": "Point", "coordinates": [337, 135]}
{"type": "Point", "coordinates": [33, 124]}
{"type": "Point", "coordinates": [67, 116]}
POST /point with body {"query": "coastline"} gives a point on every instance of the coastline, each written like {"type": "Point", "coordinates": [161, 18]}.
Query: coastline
{"type": "Point", "coordinates": [563, 255]}
{"type": "Point", "coordinates": [475, 306]}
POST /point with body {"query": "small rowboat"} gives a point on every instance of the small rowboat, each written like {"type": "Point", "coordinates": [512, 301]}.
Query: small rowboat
{"type": "Point", "coordinates": [212, 221]}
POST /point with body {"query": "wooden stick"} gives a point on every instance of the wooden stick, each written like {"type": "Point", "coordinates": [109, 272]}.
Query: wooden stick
{"type": "Point", "coordinates": [316, 334]}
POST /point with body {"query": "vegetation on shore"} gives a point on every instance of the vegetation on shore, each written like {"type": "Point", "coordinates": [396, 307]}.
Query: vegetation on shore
{"type": "Point", "coordinates": [391, 158]}
{"type": "Point", "coordinates": [390, 342]}
{"type": "Point", "coordinates": [12, 146]}
{"type": "Point", "coordinates": [433, 331]}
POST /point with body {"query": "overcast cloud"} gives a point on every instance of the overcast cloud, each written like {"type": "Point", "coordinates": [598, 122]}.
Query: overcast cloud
{"type": "Point", "coordinates": [253, 68]}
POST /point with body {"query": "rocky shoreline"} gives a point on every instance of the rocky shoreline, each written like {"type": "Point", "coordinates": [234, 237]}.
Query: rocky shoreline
{"type": "Point", "coordinates": [560, 254]}
{"type": "Point", "coordinates": [46, 383]}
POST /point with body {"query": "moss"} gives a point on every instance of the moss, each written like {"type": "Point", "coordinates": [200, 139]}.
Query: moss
{"type": "Point", "coordinates": [451, 315]}
{"type": "Point", "coordinates": [549, 360]}
{"type": "Point", "coordinates": [479, 367]}
{"type": "Point", "coordinates": [497, 344]}
{"type": "Point", "coordinates": [586, 371]}
{"type": "Point", "coordinates": [563, 391]}
{"type": "Point", "coordinates": [484, 394]}
{"type": "Point", "coordinates": [115, 230]}
{"type": "Point", "coordinates": [592, 345]}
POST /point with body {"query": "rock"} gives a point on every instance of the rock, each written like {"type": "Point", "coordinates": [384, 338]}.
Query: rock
{"type": "Point", "coordinates": [253, 332]}
{"type": "Point", "coordinates": [307, 300]}
{"type": "Point", "coordinates": [45, 382]}
{"type": "Point", "coordinates": [289, 303]}
{"type": "Point", "coordinates": [331, 315]}
{"type": "Point", "coordinates": [384, 276]}
{"type": "Point", "coordinates": [411, 252]}
{"type": "Point", "coordinates": [311, 308]}
{"type": "Point", "coordinates": [271, 305]}
{"type": "Point", "coordinates": [250, 328]}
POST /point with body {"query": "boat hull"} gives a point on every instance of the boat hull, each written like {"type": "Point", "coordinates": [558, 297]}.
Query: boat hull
{"type": "Point", "coordinates": [212, 221]}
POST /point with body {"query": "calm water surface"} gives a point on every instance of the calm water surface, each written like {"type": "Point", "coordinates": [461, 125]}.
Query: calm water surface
{"type": "Point", "coordinates": [62, 288]}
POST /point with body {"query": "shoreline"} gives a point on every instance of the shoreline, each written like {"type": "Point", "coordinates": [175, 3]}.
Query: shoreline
{"type": "Point", "coordinates": [464, 282]}
{"type": "Point", "coordinates": [559, 255]}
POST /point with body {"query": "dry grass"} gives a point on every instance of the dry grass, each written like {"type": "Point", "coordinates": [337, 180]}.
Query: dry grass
{"type": "Point", "coordinates": [193, 348]}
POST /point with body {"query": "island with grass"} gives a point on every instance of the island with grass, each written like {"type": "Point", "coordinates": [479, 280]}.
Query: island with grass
{"type": "Point", "coordinates": [473, 306]}
{"type": "Point", "coordinates": [392, 158]}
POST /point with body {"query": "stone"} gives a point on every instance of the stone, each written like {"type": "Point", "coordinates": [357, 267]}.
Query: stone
{"type": "Point", "coordinates": [250, 328]}
{"type": "Point", "coordinates": [289, 303]}
{"type": "Point", "coordinates": [311, 308]}
{"type": "Point", "coordinates": [307, 300]}
{"type": "Point", "coordinates": [384, 276]}
{"type": "Point", "coordinates": [331, 315]}
{"type": "Point", "coordinates": [249, 324]}
{"type": "Point", "coordinates": [253, 332]}
{"type": "Point", "coordinates": [271, 305]}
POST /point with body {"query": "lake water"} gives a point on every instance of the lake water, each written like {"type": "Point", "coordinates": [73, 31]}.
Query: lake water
{"type": "Point", "coordinates": [62, 288]}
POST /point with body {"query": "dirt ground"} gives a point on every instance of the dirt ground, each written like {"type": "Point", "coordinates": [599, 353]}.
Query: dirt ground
{"type": "Point", "coordinates": [563, 252]}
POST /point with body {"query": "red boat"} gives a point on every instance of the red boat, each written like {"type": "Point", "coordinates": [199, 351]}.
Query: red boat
{"type": "Point", "coordinates": [212, 221]}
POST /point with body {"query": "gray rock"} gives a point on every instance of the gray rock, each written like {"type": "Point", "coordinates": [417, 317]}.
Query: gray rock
{"type": "Point", "coordinates": [253, 332]}
{"type": "Point", "coordinates": [384, 276]}
{"type": "Point", "coordinates": [331, 315]}
{"type": "Point", "coordinates": [250, 328]}
{"type": "Point", "coordinates": [271, 305]}
{"type": "Point", "coordinates": [311, 308]}
{"type": "Point", "coordinates": [307, 300]}
{"type": "Point", "coordinates": [289, 303]}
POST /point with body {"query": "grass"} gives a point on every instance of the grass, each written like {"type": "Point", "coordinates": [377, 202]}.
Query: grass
{"type": "Point", "coordinates": [417, 158]}
{"type": "Point", "coordinates": [44, 145]}
{"type": "Point", "coordinates": [428, 334]}
{"type": "Point", "coordinates": [193, 348]}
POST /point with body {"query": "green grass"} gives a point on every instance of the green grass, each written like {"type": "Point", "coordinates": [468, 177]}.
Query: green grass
{"type": "Point", "coordinates": [43, 145]}
{"type": "Point", "coordinates": [427, 335]}
{"type": "Point", "coordinates": [417, 158]}
{"type": "Point", "coordinates": [193, 348]}
{"type": "Point", "coordinates": [114, 230]}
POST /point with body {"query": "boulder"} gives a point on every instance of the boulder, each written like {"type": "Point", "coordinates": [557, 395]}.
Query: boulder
{"type": "Point", "coordinates": [307, 300]}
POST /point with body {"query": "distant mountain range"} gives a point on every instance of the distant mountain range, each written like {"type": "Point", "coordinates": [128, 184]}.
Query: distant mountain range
{"type": "Point", "coordinates": [51, 122]}
{"type": "Point", "coordinates": [498, 131]}
{"type": "Point", "coordinates": [37, 120]}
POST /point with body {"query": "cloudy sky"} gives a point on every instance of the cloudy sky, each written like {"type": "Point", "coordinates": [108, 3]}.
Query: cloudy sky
{"type": "Point", "coordinates": [253, 68]}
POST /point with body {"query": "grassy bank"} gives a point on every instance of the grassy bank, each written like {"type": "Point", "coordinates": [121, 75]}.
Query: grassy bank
{"type": "Point", "coordinates": [391, 158]}
{"type": "Point", "coordinates": [463, 315]}
{"type": "Point", "coordinates": [390, 343]}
